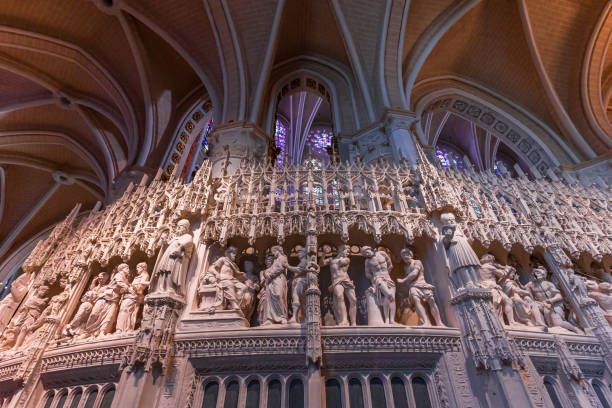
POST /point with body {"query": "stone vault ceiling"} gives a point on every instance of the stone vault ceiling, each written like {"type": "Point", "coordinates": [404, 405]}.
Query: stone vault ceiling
{"type": "Point", "coordinates": [92, 89]}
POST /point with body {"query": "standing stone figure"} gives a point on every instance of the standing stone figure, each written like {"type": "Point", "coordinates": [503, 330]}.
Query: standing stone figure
{"type": "Point", "coordinates": [461, 261]}
{"type": "Point", "coordinates": [299, 283]}
{"type": "Point", "coordinates": [603, 296]}
{"type": "Point", "coordinates": [377, 269]}
{"type": "Point", "coordinates": [250, 293]}
{"type": "Point", "coordinates": [489, 273]}
{"type": "Point", "coordinates": [274, 297]}
{"type": "Point", "coordinates": [525, 307]}
{"type": "Point", "coordinates": [104, 310]}
{"type": "Point", "coordinates": [133, 299]}
{"type": "Point", "coordinates": [550, 300]}
{"type": "Point", "coordinates": [171, 268]}
{"type": "Point", "coordinates": [30, 315]}
{"type": "Point", "coordinates": [420, 293]}
{"type": "Point", "coordinates": [9, 304]}
{"type": "Point", "coordinates": [225, 275]}
{"type": "Point", "coordinates": [342, 286]}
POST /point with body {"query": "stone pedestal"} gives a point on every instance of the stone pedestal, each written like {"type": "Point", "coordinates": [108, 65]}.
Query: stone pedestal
{"type": "Point", "coordinates": [218, 319]}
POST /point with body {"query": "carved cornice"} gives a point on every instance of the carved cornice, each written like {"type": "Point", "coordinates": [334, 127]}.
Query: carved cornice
{"type": "Point", "coordinates": [239, 346]}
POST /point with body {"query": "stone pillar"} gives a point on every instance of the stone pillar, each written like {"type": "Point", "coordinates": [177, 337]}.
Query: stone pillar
{"type": "Point", "coordinates": [588, 312]}
{"type": "Point", "coordinates": [232, 143]}
{"type": "Point", "coordinates": [402, 142]}
{"type": "Point", "coordinates": [314, 352]}
{"type": "Point", "coordinates": [151, 353]}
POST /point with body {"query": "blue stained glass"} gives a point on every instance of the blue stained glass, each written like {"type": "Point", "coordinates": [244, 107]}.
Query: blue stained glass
{"type": "Point", "coordinates": [206, 132]}
{"type": "Point", "coordinates": [448, 156]}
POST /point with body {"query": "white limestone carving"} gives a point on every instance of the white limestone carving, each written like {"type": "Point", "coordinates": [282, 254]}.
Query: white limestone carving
{"type": "Point", "coordinates": [299, 282]}
{"type": "Point", "coordinates": [222, 286]}
{"type": "Point", "coordinates": [381, 293]}
{"type": "Point", "coordinates": [549, 300]}
{"type": "Point", "coordinates": [171, 266]}
{"type": "Point", "coordinates": [526, 310]}
{"type": "Point", "coordinates": [9, 304]}
{"type": "Point", "coordinates": [103, 314]}
{"type": "Point", "coordinates": [342, 287]}
{"type": "Point", "coordinates": [490, 272]}
{"type": "Point", "coordinates": [273, 300]}
{"type": "Point", "coordinates": [602, 293]}
{"type": "Point", "coordinates": [132, 300]}
{"type": "Point", "coordinates": [420, 293]}
{"type": "Point", "coordinates": [461, 261]}
{"type": "Point", "coordinates": [29, 317]}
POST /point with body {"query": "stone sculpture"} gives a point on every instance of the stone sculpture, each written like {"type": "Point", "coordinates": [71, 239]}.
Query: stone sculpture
{"type": "Point", "coordinates": [381, 293]}
{"type": "Point", "coordinates": [461, 261]}
{"type": "Point", "coordinates": [249, 296]}
{"type": "Point", "coordinates": [420, 293]}
{"type": "Point", "coordinates": [224, 281]}
{"type": "Point", "coordinates": [30, 315]}
{"type": "Point", "coordinates": [273, 302]}
{"type": "Point", "coordinates": [171, 267]}
{"type": "Point", "coordinates": [132, 300]}
{"type": "Point", "coordinates": [526, 310]}
{"type": "Point", "coordinates": [299, 283]}
{"type": "Point", "coordinates": [78, 322]}
{"type": "Point", "coordinates": [603, 296]}
{"type": "Point", "coordinates": [489, 273]}
{"type": "Point", "coordinates": [549, 301]}
{"type": "Point", "coordinates": [9, 304]}
{"type": "Point", "coordinates": [108, 294]}
{"type": "Point", "coordinates": [341, 287]}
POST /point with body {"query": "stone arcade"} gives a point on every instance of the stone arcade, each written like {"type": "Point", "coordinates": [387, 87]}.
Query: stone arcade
{"type": "Point", "coordinates": [189, 326]}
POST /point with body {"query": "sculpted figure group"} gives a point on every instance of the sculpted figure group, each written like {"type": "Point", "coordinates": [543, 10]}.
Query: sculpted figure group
{"type": "Point", "coordinates": [223, 287]}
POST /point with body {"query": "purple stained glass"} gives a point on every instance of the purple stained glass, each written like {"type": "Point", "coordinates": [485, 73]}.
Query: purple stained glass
{"type": "Point", "coordinates": [449, 156]}
{"type": "Point", "coordinates": [280, 138]}
{"type": "Point", "coordinates": [319, 140]}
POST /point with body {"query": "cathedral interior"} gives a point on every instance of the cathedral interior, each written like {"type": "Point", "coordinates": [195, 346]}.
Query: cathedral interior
{"type": "Point", "coordinates": [305, 203]}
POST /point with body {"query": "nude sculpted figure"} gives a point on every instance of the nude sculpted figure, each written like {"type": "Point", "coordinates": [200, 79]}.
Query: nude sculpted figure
{"type": "Point", "coordinates": [549, 301]}
{"type": "Point", "coordinates": [299, 283]}
{"type": "Point", "coordinates": [342, 286]}
{"type": "Point", "coordinates": [525, 307]}
{"type": "Point", "coordinates": [602, 294]}
{"type": "Point", "coordinates": [420, 293]}
{"type": "Point", "coordinates": [489, 274]}
{"type": "Point", "coordinates": [377, 269]}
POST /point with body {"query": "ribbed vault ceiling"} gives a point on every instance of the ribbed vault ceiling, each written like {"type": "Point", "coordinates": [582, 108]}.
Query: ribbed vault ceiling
{"type": "Point", "coordinates": [92, 89]}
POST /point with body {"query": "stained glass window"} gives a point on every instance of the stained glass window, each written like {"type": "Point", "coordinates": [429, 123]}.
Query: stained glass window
{"type": "Point", "coordinates": [514, 212]}
{"type": "Point", "coordinates": [205, 134]}
{"type": "Point", "coordinates": [319, 140]}
{"type": "Point", "coordinates": [280, 135]}
{"type": "Point", "coordinates": [449, 157]}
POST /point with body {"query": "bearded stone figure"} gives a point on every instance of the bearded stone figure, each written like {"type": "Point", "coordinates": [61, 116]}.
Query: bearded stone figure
{"type": "Point", "coordinates": [461, 261]}
{"type": "Point", "coordinates": [9, 304]}
{"type": "Point", "coordinates": [342, 287]}
{"type": "Point", "coordinates": [549, 301]}
{"type": "Point", "coordinates": [108, 295]}
{"type": "Point", "coordinates": [273, 301]}
{"type": "Point", "coordinates": [525, 307]}
{"type": "Point", "coordinates": [30, 316]}
{"type": "Point", "coordinates": [602, 294]}
{"type": "Point", "coordinates": [224, 281]}
{"type": "Point", "coordinates": [381, 293]}
{"type": "Point", "coordinates": [133, 299]}
{"type": "Point", "coordinates": [490, 272]}
{"type": "Point", "coordinates": [171, 267]}
{"type": "Point", "coordinates": [420, 293]}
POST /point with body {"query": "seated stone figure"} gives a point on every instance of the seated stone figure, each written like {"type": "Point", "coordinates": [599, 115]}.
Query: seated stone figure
{"type": "Point", "coordinates": [76, 325]}
{"type": "Point", "coordinates": [549, 301]}
{"type": "Point", "coordinates": [420, 293]}
{"type": "Point", "coordinates": [222, 285]}
{"type": "Point", "coordinates": [526, 310]}
{"type": "Point", "coordinates": [30, 316]}
{"type": "Point", "coordinates": [489, 273]}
